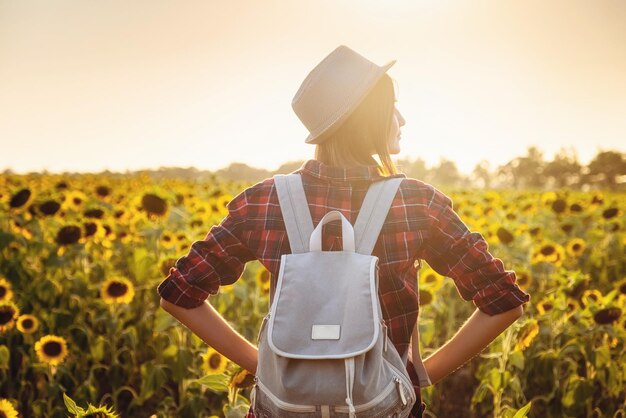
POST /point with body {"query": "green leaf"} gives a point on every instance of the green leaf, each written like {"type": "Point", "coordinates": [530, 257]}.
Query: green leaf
{"type": "Point", "coordinates": [495, 378]}
{"type": "Point", "coordinates": [141, 264]}
{"type": "Point", "coordinates": [516, 358]}
{"type": "Point", "coordinates": [577, 390]}
{"type": "Point", "coordinates": [4, 357]}
{"type": "Point", "coordinates": [71, 405]}
{"type": "Point", "coordinates": [97, 349]}
{"type": "Point", "coordinates": [214, 382]}
{"type": "Point", "coordinates": [523, 411]}
{"type": "Point", "coordinates": [170, 351]}
{"type": "Point", "coordinates": [236, 411]}
{"type": "Point", "coordinates": [163, 320]}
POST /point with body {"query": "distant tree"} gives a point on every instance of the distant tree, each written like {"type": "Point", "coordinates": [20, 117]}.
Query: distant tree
{"type": "Point", "coordinates": [606, 167]}
{"type": "Point", "coordinates": [289, 167]}
{"type": "Point", "coordinates": [243, 172]}
{"type": "Point", "coordinates": [483, 173]}
{"type": "Point", "coordinates": [415, 169]}
{"type": "Point", "coordinates": [446, 174]}
{"type": "Point", "coordinates": [564, 169]}
{"type": "Point", "coordinates": [525, 171]}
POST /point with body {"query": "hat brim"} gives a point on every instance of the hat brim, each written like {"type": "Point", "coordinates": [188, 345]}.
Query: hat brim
{"type": "Point", "coordinates": [319, 137]}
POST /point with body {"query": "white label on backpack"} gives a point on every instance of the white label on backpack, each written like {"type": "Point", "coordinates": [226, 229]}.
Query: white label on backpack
{"type": "Point", "coordinates": [325, 332]}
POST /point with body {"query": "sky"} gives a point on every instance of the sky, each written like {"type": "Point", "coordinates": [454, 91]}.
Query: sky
{"type": "Point", "coordinates": [87, 86]}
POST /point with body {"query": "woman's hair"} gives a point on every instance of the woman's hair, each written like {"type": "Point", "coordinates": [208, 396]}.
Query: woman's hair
{"type": "Point", "coordinates": [364, 132]}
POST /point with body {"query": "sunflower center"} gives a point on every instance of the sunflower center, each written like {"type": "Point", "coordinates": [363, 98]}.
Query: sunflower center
{"type": "Point", "coordinates": [6, 316]}
{"type": "Point", "coordinates": [52, 348]}
{"type": "Point", "coordinates": [27, 324]}
{"type": "Point", "coordinates": [547, 250]}
{"type": "Point", "coordinates": [3, 291]}
{"type": "Point", "coordinates": [117, 289]}
{"type": "Point", "coordinates": [431, 278]}
{"type": "Point", "coordinates": [214, 360]}
{"type": "Point", "coordinates": [576, 247]}
{"type": "Point", "coordinates": [2, 414]}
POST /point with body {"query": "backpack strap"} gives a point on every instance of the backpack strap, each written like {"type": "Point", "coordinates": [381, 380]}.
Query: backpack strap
{"type": "Point", "coordinates": [418, 364]}
{"type": "Point", "coordinates": [295, 210]}
{"type": "Point", "coordinates": [373, 213]}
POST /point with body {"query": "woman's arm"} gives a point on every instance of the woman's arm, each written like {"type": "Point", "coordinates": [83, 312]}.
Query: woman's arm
{"type": "Point", "coordinates": [476, 334]}
{"type": "Point", "coordinates": [212, 328]}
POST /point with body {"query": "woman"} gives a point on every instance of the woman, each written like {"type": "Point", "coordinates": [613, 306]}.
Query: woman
{"type": "Point", "coordinates": [348, 105]}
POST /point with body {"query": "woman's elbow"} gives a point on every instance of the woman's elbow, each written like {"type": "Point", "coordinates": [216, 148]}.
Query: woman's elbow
{"type": "Point", "coordinates": [517, 312]}
{"type": "Point", "coordinates": [166, 305]}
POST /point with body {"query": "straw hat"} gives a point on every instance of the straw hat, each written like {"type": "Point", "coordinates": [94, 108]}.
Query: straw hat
{"type": "Point", "coordinates": [333, 89]}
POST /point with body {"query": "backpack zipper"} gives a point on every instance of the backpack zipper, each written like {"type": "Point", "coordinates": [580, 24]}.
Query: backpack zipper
{"type": "Point", "coordinates": [286, 406]}
{"type": "Point", "coordinates": [382, 321]}
{"type": "Point", "coordinates": [400, 376]}
{"type": "Point", "coordinates": [365, 406]}
{"type": "Point", "coordinates": [400, 390]}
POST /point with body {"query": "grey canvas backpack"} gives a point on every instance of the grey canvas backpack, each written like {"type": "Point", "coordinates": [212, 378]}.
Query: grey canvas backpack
{"type": "Point", "coordinates": [323, 348]}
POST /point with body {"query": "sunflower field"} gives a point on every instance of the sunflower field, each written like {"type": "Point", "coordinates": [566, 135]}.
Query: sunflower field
{"type": "Point", "coordinates": [82, 333]}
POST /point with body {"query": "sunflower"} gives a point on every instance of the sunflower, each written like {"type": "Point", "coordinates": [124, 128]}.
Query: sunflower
{"type": "Point", "coordinates": [425, 297]}
{"type": "Point", "coordinates": [526, 335]}
{"type": "Point", "coordinates": [20, 198]}
{"type": "Point", "coordinates": [6, 292]}
{"type": "Point", "coordinates": [504, 235]}
{"type": "Point", "coordinates": [27, 324]}
{"type": "Point", "coordinates": [73, 201]}
{"type": "Point", "coordinates": [549, 252]}
{"type": "Point", "coordinates": [523, 279]}
{"type": "Point", "coordinates": [6, 409]}
{"type": "Point", "coordinates": [607, 315]}
{"type": "Point", "coordinates": [168, 240]}
{"type": "Point", "coordinates": [8, 314]}
{"type": "Point", "coordinates": [429, 278]}
{"type": "Point", "coordinates": [51, 349]}
{"type": "Point", "coordinates": [213, 362]}
{"type": "Point", "coordinates": [154, 205]}
{"type": "Point", "coordinates": [263, 279]}
{"type": "Point", "coordinates": [117, 290]}
{"type": "Point", "coordinates": [69, 234]}
{"type": "Point", "coordinates": [242, 379]}
{"type": "Point", "coordinates": [544, 306]}
{"type": "Point", "coordinates": [222, 202]}
{"type": "Point", "coordinates": [101, 411]}
{"type": "Point", "coordinates": [589, 297]}
{"type": "Point", "coordinates": [575, 247]}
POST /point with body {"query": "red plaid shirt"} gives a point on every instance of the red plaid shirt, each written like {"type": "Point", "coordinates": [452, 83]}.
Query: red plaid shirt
{"type": "Point", "coordinates": [421, 224]}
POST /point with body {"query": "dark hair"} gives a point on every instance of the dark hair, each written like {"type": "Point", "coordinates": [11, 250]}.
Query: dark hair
{"type": "Point", "coordinates": [364, 133]}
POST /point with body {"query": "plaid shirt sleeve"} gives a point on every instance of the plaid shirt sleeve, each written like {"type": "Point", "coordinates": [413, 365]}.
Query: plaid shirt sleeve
{"type": "Point", "coordinates": [454, 251]}
{"type": "Point", "coordinates": [216, 260]}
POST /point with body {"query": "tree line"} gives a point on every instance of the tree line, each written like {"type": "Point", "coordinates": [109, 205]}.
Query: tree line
{"type": "Point", "coordinates": [607, 170]}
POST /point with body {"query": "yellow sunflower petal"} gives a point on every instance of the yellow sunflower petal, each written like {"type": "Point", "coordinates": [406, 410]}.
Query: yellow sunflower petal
{"type": "Point", "coordinates": [51, 349]}
{"type": "Point", "coordinates": [117, 290]}
{"type": "Point", "coordinates": [214, 362]}
{"type": "Point", "coordinates": [6, 409]}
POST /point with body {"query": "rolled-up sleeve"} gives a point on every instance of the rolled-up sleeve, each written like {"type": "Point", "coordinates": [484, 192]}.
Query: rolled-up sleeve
{"type": "Point", "coordinates": [454, 251]}
{"type": "Point", "coordinates": [218, 259]}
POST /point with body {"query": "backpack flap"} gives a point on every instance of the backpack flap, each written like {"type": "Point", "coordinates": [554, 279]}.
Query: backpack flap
{"type": "Point", "coordinates": [325, 306]}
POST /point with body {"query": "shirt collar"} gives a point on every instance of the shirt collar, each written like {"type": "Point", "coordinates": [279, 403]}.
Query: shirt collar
{"type": "Point", "coordinates": [326, 172]}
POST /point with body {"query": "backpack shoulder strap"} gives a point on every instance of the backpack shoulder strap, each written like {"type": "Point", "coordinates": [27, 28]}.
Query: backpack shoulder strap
{"type": "Point", "coordinates": [373, 213]}
{"type": "Point", "coordinates": [295, 210]}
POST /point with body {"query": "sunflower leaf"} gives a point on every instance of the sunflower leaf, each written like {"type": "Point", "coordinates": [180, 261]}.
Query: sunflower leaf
{"type": "Point", "coordinates": [522, 412]}
{"type": "Point", "coordinates": [214, 382]}
{"type": "Point", "coordinates": [71, 405]}
{"type": "Point", "coordinates": [4, 357]}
